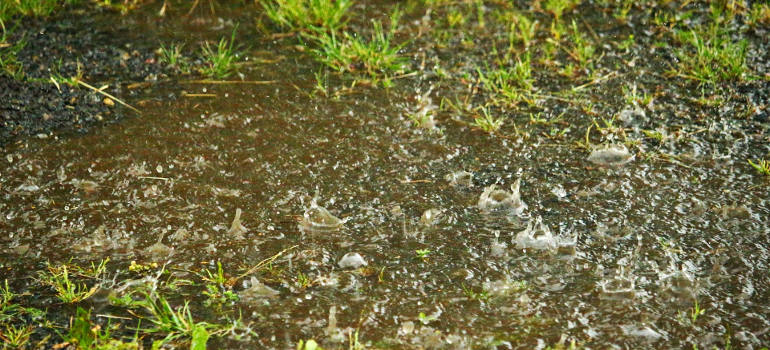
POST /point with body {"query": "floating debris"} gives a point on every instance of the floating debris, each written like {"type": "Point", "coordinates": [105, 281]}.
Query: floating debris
{"type": "Point", "coordinates": [317, 218]}
{"type": "Point", "coordinates": [610, 156]}
{"type": "Point", "coordinates": [352, 260]}
{"type": "Point", "coordinates": [256, 290]}
{"type": "Point", "coordinates": [493, 199]}
{"type": "Point", "coordinates": [236, 228]}
{"type": "Point", "coordinates": [460, 178]}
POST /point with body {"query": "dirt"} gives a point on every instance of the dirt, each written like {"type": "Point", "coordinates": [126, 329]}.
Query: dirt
{"type": "Point", "coordinates": [76, 41]}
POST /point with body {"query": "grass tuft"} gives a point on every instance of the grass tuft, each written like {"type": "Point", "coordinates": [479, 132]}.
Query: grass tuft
{"type": "Point", "coordinates": [295, 15]}
{"type": "Point", "coordinates": [710, 56]}
{"type": "Point", "coordinates": [377, 57]}
{"type": "Point", "coordinates": [221, 61]}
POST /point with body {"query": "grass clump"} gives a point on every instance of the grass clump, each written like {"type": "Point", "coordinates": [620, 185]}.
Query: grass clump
{"type": "Point", "coordinates": [86, 335]}
{"type": "Point", "coordinates": [220, 61]}
{"type": "Point", "coordinates": [710, 56]}
{"type": "Point", "coordinates": [295, 15]}
{"type": "Point", "coordinates": [509, 84]}
{"type": "Point", "coordinates": [68, 291]}
{"type": "Point", "coordinates": [487, 122]}
{"type": "Point", "coordinates": [36, 8]}
{"type": "Point", "coordinates": [377, 57]}
{"type": "Point", "coordinates": [9, 64]}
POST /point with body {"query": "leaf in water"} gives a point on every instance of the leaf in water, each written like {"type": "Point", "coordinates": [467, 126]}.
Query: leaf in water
{"type": "Point", "coordinates": [199, 338]}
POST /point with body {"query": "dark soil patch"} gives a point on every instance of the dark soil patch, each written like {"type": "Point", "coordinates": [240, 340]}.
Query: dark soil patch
{"type": "Point", "coordinates": [72, 44]}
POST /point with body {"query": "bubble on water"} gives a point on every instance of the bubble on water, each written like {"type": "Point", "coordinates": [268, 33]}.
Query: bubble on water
{"type": "Point", "coordinates": [610, 156]}
{"type": "Point", "coordinates": [318, 218]}
{"type": "Point", "coordinates": [644, 332]}
{"type": "Point", "coordinates": [159, 251]}
{"type": "Point", "coordinates": [86, 186]}
{"type": "Point", "coordinates": [352, 260]}
{"type": "Point", "coordinates": [505, 287]}
{"type": "Point", "coordinates": [431, 217]}
{"type": "Point", "coordinates": [236, 228]}
{"type": "Point", "coordinates": [536, 236]}
{"type": "Point", "coordinates": [620, 286]}
{"type": "Point", "coordinates": [559, 191]}
{"type": "Point", "coordinates": [460, 178]}
{"type": "Point", "coordinates": [27, 188]}
{"type": "Point", "coordinates": [633, 117]}
{"type": "Point", "coordinates": [494, 200]}
{"type": "Point", "coordinates": [406, 328]}
{"type": "Point", "coordinates": [256, 291]}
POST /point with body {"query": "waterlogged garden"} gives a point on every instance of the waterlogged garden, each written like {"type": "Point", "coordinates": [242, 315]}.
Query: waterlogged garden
{"type": "Point", "coordinates": [353, 174]}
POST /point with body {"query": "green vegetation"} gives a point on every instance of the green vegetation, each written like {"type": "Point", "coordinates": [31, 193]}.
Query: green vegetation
{"type": "Point", "coordinates": [37, 8]}
{"type": "Point", "coordinates": [172, 57]}
{"type": "Point", "coordinates": [696, 311]}
{"type": "Point", "coordinates": [295, 15]}
{"type": "Point", "coordinates": [487, 122]}
{"type": "Point", "coordinates": [509, 85]}
{"type": "Point", "coordinates": [8, 63]}
{"type": "Point", "coordinates": [378, 57]}
{"type": "Point", "coordinates": [68, 291]}
{"type": "Point", "coordinates": [86, 335]}
{"type": "Point", "coordinates": [762, 166]}
{"type": "Point", "coordinates": [710, 56]}
{"type": "Point", "coordinates": [422, 253]}
{"type": "Point", "coordinates": [220, 62]}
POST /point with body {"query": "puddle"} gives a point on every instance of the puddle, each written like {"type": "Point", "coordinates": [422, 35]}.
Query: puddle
{"type": "Point", "coordinates": [611, 249]}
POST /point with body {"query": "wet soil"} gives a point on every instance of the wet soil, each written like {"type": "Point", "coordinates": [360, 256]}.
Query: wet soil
{"type": "Point", "coordinates": [612, 256]}
{"type": "Point", "coordinates": [81, 42]}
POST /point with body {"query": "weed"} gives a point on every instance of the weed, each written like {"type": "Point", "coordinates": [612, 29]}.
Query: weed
{"type": "Point", "coordinates": [582, 51]}
{"type": "Point", "coordinates": [510, 83]}
{"type": "Point", "coordinates": [422, 253]}
{"type": "Point", "coordinates": [329, 15]}
{"type": "Point", "coordinates": [715, 58]}
{"type": "Point", "coordinates": [216, 291]}
{"type": "Point", "coordinates": [628, 43]}
{"type": "Point", "coordinates": [621, 13]}
{"type": "Point", "coordinates": [321, 82]}
{"type": "Point", "coordinates": [8, 62]}
{"type": "Point", "coordinates": [471, 294]}
{"type": "Point", "coordinates": [36, 8]}
{"type": "Point", "coordinates": [222, 61]}
{"type": "Point", "coordinates": [172, 56]}
{"type": "Point", "coordinates": [86, 335]}
{"type": "Point", "coordinates": [522, 30]}
{"type": "Point", "coordinates": [175, 324]}
{"type": "Point", "coordinates": [16, 337]}
{"type": "Point", "coordinates": [696, 311]}
{"type": "Point", "coordinates": [759, 14]}
{"type": "Point", "coordinates": [487, 122]}
{"type": "Point", "coordinates": [425, 319]}
{"type": "Point", "coordinates": [308, 345]}
{"type": "Point", "coordinates": [377, 57]}
{"type": "Point", "coordinates": [558, 7]}
{"type": "Point", "coordinates": [762, 166]}
{"type": "Point", "coordinates": [66, 290]}
{"type": "Point", "coordinates": [633, 97]}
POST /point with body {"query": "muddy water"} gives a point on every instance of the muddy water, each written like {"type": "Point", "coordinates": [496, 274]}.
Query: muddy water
{"type": "Point", "coordinates": [617, 255]}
